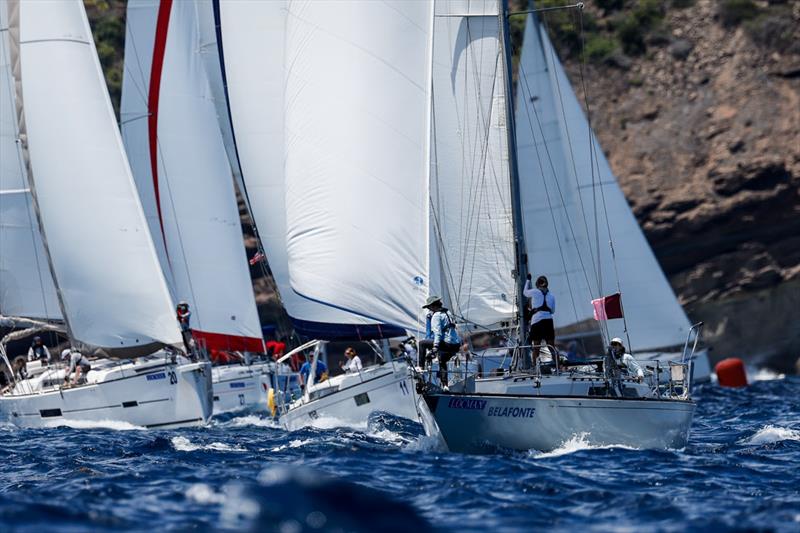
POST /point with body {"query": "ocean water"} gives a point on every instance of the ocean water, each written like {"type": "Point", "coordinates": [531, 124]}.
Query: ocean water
{"type": "Point", "coordinates": [740, 471]}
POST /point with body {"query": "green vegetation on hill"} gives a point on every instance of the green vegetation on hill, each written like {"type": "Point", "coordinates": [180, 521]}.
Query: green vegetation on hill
{"type": "Point", "coordinates": [107, 18]}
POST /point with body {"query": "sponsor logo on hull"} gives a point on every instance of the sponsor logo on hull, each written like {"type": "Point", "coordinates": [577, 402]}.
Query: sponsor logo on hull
{"type": "Point", "coordinates": [467, 403]}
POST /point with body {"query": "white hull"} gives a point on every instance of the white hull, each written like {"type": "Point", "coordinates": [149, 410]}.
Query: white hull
{"type": "Point", "coordinates": [472, 423]}
{"type": "Point", "coordinates": [239, 387]}
{"type": "Point", "coordinates": [349, 399]}
{"type": "Point", "coordinates": [149, 392]}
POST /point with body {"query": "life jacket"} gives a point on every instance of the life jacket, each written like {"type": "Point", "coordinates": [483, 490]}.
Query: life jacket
{"type": "Point", "coordinates": [544, 306]}
{"type": "Point", "coordinates": [39, 353]}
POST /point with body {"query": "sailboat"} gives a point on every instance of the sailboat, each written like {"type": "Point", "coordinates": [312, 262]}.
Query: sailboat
{"type": "Point", "coordinates": [566, 186]}
{"type": "Point", "coordinates": [173, 140]}
{"type": "Point", "coordinates": [101, 262]}
{"type": "Point", "coordinates": [286, 114]}
{"type": "Point", "coordinates": [544, 406]}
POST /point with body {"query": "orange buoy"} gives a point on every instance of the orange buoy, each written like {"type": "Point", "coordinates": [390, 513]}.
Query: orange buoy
{"type": "Point", "coordinates": [730, 373]}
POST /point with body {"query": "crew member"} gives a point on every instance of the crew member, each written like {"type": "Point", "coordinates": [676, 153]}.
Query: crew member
{"type": "Point", "coordinates": [446, 341]}
{"type": "Point", "coordinates": [39, 352]}
{"type": "Point", "coordinates": [353, 363]}
{"type": "Point", "coordinates": [78, 363]}
{"type": "Point", "coordinates": [320, 375]}
{"type": "Point", "coordinates": [543, 306]}
{"type": "Point", "coordinates": [184, 315]}
{"type": "Point", "coordinates": [625, 360]}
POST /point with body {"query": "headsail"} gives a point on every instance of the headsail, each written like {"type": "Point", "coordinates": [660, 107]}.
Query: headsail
{"type": "Point", "coordinates": [251, 40]}
{"type": "Point", "coordinates": [563, 196]}
{"type": "Point", "coordinates": [470, 192]}
{"type": "Point", "coordinates": [26, 285]}
{"type": "Point", "coordinates": [103, 260]}
{"type": "Point", "coordinates": [171, 132]}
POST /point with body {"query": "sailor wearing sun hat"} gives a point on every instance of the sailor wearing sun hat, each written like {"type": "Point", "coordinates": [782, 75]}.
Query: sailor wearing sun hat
{"type": "Point", "coordinates": [441, 329]}
{"type": "Point", "coordinates": [624, 359]}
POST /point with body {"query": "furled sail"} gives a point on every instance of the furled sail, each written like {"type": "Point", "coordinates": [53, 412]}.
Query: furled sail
{"type": "Point", "coordinates": [171, 132]}
{"type": "Point", "coordinates": [111, 286]}
{"type": "Point", "coordinates": [357, 89]}
{"type": "Point", "coordinates": [572, 209]}
{"type": "Point", "coordinates": [470, 193]}
{"type": "Point", "coordinates": [26, 285]}
{"type": "Point", "coordinates": [275, 135]}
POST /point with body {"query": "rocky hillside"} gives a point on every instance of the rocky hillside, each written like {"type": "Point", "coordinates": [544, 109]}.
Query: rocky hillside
{"type": "Point", "coordinates": [697, 105]}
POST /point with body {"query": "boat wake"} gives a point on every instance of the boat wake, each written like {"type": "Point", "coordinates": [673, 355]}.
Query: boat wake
{"type": "Point", "coordinates": [115, 425]}
{"type": "Point", "coordinates": [248, 420]}
{"type": "Point", "coordinates": [770, 435]}
{"type": "Point", "coordinates": [765, 374]}
{"type": "Point", "coordinates": [577, 443]}
{"type": "Point", "coordinates": [182, 444]}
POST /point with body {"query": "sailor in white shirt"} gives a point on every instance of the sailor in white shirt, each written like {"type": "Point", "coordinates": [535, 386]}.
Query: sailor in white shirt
{"type": "Point", "coordinates": [353, 363]}
{"type": "Point", "coordinates": [624, 359]}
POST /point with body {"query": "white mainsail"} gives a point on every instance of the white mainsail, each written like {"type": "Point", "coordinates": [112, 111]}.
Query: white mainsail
{"type": "Point", "coordinates": [563, 196]}
{"type": "Point", "coordinates": [26, 285]}
{"type": "Point", "coordinates": [471, 213]}
{"type": "Point", "coordinates": [171, 132]}
{"type": "Point", "coordinates": [105, 267]}
{"type": "Point", "coordinates": [252, 43]}
{"type": "Point", "coordinates": [357, 93]}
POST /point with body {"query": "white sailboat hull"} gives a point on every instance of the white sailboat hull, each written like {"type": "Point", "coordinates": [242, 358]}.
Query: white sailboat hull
{"type": "Point", "coordinates": [152, 395]}
{"type": "Point", "coordinates": [239, 387]}
{"type": "Point", "coordinates": [471, 423]}
{"type": "Point", "coordinates": [348, 400]}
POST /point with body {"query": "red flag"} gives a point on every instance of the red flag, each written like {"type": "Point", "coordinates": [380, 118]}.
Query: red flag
{"type": "Point", "coordinates": [608, 307]}
{"type": "Point", "coordinates": [257, 258]}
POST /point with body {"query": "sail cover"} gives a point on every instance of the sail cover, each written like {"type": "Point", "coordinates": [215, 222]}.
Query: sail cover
{"type": "Point", "coordinates": [171, 132]}
{"type": "Point", "coordinates": [252, 43]}
{"type": "Point", "coordinates": [470, 192]}
{"type": "Point", "coordinates": [110, 283]}
{"type": "Point", "coordinates": [563, 196]}
{"type": "Point", "coordinates": [26, 285]}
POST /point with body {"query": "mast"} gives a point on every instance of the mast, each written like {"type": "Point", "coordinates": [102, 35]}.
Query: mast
{"type": "Point", "coordinates": [521, 258]}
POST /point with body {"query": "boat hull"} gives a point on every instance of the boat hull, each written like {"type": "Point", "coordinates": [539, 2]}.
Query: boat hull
{"type": "Point", "coordinates": [161, 396]}
{"type": "Point", "coordinates": [239, 387]}
{"type": "Point", "coordinates": [386, 388]}
{"type": "Point", "coordinates": [472, 423]}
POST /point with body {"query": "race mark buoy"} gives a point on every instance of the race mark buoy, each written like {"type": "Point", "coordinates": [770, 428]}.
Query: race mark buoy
{"type": "Point", "coordinates": [730, 372]}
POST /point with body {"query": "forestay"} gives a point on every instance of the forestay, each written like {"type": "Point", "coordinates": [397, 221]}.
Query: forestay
{"type": "Point", "coordinates": [569, 208]}
{"type": "Point", "coordinates": [105, 266]}
{"type": "Point", "coordinates": [26, 285]}
{"type": "Point", "coordinates": [170, 128]}
{"type": "Point", "coordinates": [471, 213]}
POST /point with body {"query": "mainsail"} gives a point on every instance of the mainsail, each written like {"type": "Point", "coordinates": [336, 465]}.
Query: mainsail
{"type": "Point", "coordinates": [26, 285]}
{"type": "Point", "coordinates": [171, 132]}
{"type": "Point", "coordinates": [471, 219]}
{"type": "Point", "coordinates": [572, 208]}
{"type": "Point", "coordinates": [102, 257]}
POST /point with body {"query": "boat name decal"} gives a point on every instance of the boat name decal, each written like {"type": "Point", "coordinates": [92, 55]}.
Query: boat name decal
{"type": "Point", "coordinates": [465, 403]}
{"type": "Point", "coordinates": [237, 385]}
{"type": "Point", "coordinates": [512, 412]}
{"type": "Point", "coordinates": [160, 375]}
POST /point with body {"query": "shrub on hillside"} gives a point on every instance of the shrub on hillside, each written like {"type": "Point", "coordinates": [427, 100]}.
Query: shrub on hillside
{"type": "Point", "coordinates": [734, 12]}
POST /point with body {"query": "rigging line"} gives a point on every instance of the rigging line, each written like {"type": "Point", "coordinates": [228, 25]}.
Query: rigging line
{"type": "Point", "coordinates": [525, 86]}
{"type": "Point", "coordinates": [554, 173]}
{"type": "Point", "coordinates": [553, 64]}
{"type": "Point", "coordinates": [24, 174]}
{"type": "Point", "coordinates": [138, 63]}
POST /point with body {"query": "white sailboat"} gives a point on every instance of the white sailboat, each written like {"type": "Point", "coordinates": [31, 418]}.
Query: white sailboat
{"type": "Point", "coordinates": [566, 185]}
{"type": "Point", "coordinates": [111, 291]}
{"type": "Point", "coordinates": [172, 136]}
{"type": "Point", "coordinates": [543, 407]}
{"type": "Point", "coordinates": [296, 130]}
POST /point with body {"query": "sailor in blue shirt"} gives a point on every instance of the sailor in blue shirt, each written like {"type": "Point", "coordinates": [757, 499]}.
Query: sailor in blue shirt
{"type": "Point", "coordinates": [446, 341]}
{"type": "Point", "coordinates": [320, 375]}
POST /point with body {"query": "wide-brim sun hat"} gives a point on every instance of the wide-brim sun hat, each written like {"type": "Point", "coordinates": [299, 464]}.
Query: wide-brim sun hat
{"type": "Point", "coordinates": [431, 300]}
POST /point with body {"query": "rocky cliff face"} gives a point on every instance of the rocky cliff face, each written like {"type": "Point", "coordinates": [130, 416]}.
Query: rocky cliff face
{"type": "Point", "coordinates": [702, 127]}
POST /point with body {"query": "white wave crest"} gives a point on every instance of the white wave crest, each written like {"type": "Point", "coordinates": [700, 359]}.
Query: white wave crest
{"type": "Point", "coordinates": [202, 493]}
{"type": "Point", "coordinates": [330, 422]}
{"type": "Point", "coordinates": [182, 444]}
{"type": "Point", "coordinates": [116, 425]}
{"type": "Point", "coordinates": [577, 443]}
{"type": "Point", "coordinates": [765, 374]}
{"type": "Point", "coordinates": [250, 420]}
{"type": "Point", "coordinates": [771, 434]}
{"type": "Point", "coordinates": [297, 443]}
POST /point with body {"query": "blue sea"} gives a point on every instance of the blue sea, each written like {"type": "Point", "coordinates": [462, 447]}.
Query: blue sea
{"type": "Point", "coordinates": [740, 471]}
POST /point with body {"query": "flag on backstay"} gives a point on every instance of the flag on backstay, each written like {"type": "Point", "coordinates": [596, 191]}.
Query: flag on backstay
{"type": "Point", "coordinates": [257, 258]}
{"type": "Point", "coordinates": [608, 307]}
